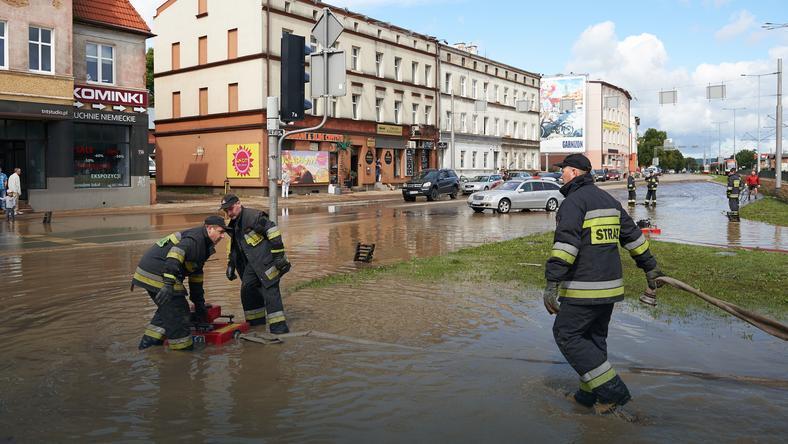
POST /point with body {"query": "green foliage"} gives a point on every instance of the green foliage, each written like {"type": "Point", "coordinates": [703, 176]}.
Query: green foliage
{"type": "Point", "coordinates": [670, 159]}
{"type": "Point", "coordinates": [647, 145]}
{"type": "Point", "coordinates": [768, 209]}
{"type": "Point", "coordinates": [690, 163]}
{"type": "Point", "coordinates": [149, 74]}
{"type": "Point", "coordinates": [745, 158]}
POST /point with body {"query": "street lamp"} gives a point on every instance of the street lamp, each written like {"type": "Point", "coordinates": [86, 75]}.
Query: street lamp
{"type": "Point", "coordinates": [734, 129]}
{"type": "Point", "coordinates": [758, 142]}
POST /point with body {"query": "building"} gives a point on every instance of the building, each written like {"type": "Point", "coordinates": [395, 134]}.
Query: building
{"type": "Point", "coordinates": [590, 117]}
{"type": "Point", "coordinates": [215, 66]}
{"type": "Point", "coordinates": [70, 75]}
{"type": "Point", "coordinates": [489, 113]}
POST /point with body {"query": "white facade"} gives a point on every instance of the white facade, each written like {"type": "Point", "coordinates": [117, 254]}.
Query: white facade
{"type": "Point", "coordinates": [479, 101]}
{"type": "Point", "coordinates": [609, 124]}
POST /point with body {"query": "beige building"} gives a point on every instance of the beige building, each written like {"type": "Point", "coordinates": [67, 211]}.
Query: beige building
{"type": "Point", "coordinates": [493, 111]}
{"type": "Point", "coordinates": [215, 66]}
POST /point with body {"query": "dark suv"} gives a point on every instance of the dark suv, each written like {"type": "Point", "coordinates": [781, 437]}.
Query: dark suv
{"type": "Point", "coordinates": [432, 183]}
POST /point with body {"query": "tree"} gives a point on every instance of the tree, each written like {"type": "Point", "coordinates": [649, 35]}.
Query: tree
{"type": "Point", "coordinates": [745, 158]}
{"type": "Point", "coordinates": [647, 145]}
{"type": "Point", "coordinates": [691, 164]}
{"type": "Point", "coordinates": [670, 159]}
{"type": "Point", "coordinates": [149, 75]}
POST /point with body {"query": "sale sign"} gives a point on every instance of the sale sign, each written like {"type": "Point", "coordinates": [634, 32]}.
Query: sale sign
{"type": "Point", "coordinates": [243, 161]}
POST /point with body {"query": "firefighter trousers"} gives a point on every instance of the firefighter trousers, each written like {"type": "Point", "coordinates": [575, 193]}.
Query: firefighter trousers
{"type": "Point", "coordinates": [631, 199]}
{"type": "Point", "coordinates": [171, 321]}
{"type": "Point", "coordinates": [733, 204]}
{"type": "Point", "coordinates": [262, 304]}
{"type": "Point", "coordinates": [580, 331]}
{"type": "Point", "coordinates": [651, 196]}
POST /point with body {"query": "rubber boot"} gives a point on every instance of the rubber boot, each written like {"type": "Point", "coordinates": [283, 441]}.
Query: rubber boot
{"type": "Point", "coordinates": [279, 328]}
{"type": "Point", "coordinates": [586, 399]}
{"type": "Point", "coordinates": [613, 392]}
{"type": "Point", "coordinates": [258, 321]}
{"type": "Point", "coordinates": [148, 341]}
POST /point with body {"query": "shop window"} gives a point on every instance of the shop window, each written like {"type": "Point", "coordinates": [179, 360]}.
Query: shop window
{"type": "Point", "coordinates": [36, 163]}
{"type": "Point", "coordinates": [100, 61]}
{"type": "Point", "coordinates": [101, 156]}
{"type": "Point", "coordinates": [41, 56]}
{"type": "Point", "coordinates": [397, 164]}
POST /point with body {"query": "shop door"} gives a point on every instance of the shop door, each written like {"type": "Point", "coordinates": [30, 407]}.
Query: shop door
{"type": "Point", "coordinates": [12, 155]}
{"type": "Point", "coordinates": [354, 167]}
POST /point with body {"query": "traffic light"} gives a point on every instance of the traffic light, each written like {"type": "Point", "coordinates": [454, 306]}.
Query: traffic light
{"type": "Point", "coordinates": [293, 77]}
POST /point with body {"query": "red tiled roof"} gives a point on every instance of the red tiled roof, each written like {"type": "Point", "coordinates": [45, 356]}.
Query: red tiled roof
{"type": "Point", "coordinates": [115, 13]}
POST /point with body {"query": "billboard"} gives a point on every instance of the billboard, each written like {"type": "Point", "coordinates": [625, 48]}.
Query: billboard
{"type": "Point", "coordinates": [305, 167]}
{"type": "Point", "coordinates": [563, 114]}
{"type": "Point", "coordinates": [243, 161]}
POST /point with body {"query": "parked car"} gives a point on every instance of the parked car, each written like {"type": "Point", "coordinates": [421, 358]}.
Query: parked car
{"type": "Point", "coordinates": [599, 175]}
{"type": "Point", "coordinates": [518, 195]}
{"type": "Point", "coordinates": [549, 176]}
{"type": "Point", "coordinates": [432, 183]}
{"type": "Point", "coordinates": [613, 175]}
{"type": "Point", "coordinates": [520, 175]}
{"type": "Point", "coordinates": [151, 167]}
{"type": "Point", "coordinates": [481, 183]}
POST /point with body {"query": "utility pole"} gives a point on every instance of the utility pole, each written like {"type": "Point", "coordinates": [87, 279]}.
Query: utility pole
{"type": "Point", "coordinates": [719, 144]}
{"type": "Point", "coordinates": [734, 131]}
{"type": "Point", "coordinates": [778, 156]}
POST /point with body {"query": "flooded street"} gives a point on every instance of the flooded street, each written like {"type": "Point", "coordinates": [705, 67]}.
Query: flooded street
{"type": "Point", "coordinates": [452, 362]}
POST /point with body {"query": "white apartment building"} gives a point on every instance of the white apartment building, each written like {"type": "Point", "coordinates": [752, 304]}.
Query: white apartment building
{"type": "Point", "coordinates": [215, 65]}
{"type": "Point", "coordinates": [493, 111]}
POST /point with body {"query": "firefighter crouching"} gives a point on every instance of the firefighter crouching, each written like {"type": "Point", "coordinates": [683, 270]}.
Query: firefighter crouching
{"type": "Point", "coordinates": [257, 252]}
{"type": "Point", "coordinates": [631, 188]}
{"type": "Point", "coordinates": [652, 182]}
{"type": "Point", "coordinates": [732, 192]}
{"type": "Point", "coordinates": [162, 271]}
{"type": "Point", "coordinates": [584, 273]}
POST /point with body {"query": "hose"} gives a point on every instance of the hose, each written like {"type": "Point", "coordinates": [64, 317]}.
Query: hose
{"type": "Point", "coordinates": [767, 325]}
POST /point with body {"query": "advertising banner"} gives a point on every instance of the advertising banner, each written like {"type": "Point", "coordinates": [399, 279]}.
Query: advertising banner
{"type": "Point", "coordinates": [305, 167]}
{"type": "Point", "coordinates": [563, 130]}
{"type": "Point", "coordinates": [243, 161]}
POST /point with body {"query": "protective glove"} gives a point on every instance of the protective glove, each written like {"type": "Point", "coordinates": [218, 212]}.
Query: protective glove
{"type": "Point", "coordinates": [282, 264]}
{"type": "Point", "coordinates": [230, 273]}
{"type": "Point", "coordinates": [651, 277]}
{"type": "Point", "coordinates": [200, 314]}
{"type": "Point", "coordinates": [550, 297]}
{"type": "Point", "coordinates": [164, 295]}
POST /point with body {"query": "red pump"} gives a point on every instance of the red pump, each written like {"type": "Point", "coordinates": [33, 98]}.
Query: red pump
{"type": "Point", "coordinates": [217, 333]}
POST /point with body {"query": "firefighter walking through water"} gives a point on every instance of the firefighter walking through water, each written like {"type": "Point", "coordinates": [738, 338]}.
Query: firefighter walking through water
{"type": "Point", "coordinates": [631, 188]}
{"type": "Point", "coordinates": [584, 273]}
{"type": "Point", "coordinates": [732, 192]}
{"type": "Point", "coordinates": [652, 182]}
{"type": "Point", "coordinates": [257, 253]}
{"type": "Point", "coordinates": [161, 272]}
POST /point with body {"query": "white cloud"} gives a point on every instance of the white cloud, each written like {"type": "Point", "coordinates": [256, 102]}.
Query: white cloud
{"type": "Point", "coordinates": [639, 63]}
{"type": "Point", "coordinates": [146, 8]}
{"type": "Point", "coordinates": [740, 23]}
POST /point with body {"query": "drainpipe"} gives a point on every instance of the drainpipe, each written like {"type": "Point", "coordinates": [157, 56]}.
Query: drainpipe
{"type": "Point", "coordinates": [264, 33]}
{"type": "Point", "coordinates": [438, 97]}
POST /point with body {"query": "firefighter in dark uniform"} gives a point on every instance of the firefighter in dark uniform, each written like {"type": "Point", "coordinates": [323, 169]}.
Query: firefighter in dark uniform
{"type": "Point", "coordinates": [258, 254]}
{"type": "Point", "coordinates": [652, 182]}
{"type": "Point", "coordinates": [732, 192]}
{"type": "Point", "coordinates": [162, 271]}
{"type": "Point", "coordinates": [631, 188]}
{"type": "Point", "coordinates": [584, 273]}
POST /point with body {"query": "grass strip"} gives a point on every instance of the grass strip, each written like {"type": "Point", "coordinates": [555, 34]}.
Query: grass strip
{"type": "Point", "coordinates": [755, 280]}
{"type": "Point", "coordinates": [768, 209]}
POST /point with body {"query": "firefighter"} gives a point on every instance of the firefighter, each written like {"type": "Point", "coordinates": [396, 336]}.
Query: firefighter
{"type": "Point", "coordinates": [584, 274]}
{"type": "Point", "coordinates": [257, 253]}
{"type": "Point", "coordinates": [732, 192]}
{"type": "Point", "coordinates": [652, 182]}
{"type": "Point", "coordinates": [631, 188]}
{"type": "Point", "coordinates": [162, 271]}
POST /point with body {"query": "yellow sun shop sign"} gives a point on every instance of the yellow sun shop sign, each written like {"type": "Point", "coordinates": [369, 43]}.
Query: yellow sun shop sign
{"type": "Point", "coordinates": [243, 161]}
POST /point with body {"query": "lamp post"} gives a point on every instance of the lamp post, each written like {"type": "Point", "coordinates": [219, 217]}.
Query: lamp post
{"type": "Point", "coordinates": [719, 144]}
{"type": "Point", "coordinates": [758, 142]}
{"type": "Point", "coordinates": [734, 129]}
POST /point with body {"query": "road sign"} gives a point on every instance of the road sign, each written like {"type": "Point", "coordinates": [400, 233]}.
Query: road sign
{"type": "Point", "coordinates": [336, 74]}
{"type": "Point", "coordinates": [327, 29]}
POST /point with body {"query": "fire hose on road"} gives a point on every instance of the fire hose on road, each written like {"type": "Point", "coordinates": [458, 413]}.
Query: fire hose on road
{"type": "Point", "coordinates": [768, 325]}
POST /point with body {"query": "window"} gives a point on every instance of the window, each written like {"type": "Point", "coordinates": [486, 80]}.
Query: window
{"type": "Point", "coordinates": [203, 101]}
{"type": "Point", "coordinates": [486, 126]}
{"type": "Point", "coordinates": [313, 43]}
{"type": "Point", "coordinates": [232, 44]}
{"type": "Point", "coordinates": [447, 84]}
{"type": "Point", "coordinates": [355, 101]}
{"type": "Point", "coordinates": [496, 97]}
{"type": "Point", "coordinates": [176, 104]}
{"type": "Point", "coordinates": [175, 54]}
{"type": "Point", "coordinates": [473, 88]}
{"type": "Point", "coordinates": [414, 72]}
{"type": "Point", "coordinates": [447, 123]}
{"type": "Point", "coordinates": [380, 33]}
{"type": "Point", "coordinates": [397, 39]}
{"type": "Point", "coordinates": [473, 159]}
{"type": "Point", "coordinates": [485, 90]}
{"type": "Point", "coordinates": [475, 124]}
{"type": "Point", "coordinates": [415, 114]}
{"type": "Point", "coordinates": [232, 97]}
{"type": "Point", "coordinates": [333, 109]}
{"type": "Point", "coordinates": [354, 54]}
{"type": "Point", "coordinates": [428, 75]}
{"type": "Point", "coordinates": [462, 159]}
{"type": "Point", "coordinates": [202, 50]}
{"type": "Point", "coordinates": [463, 87]}
{"type": "Point", "coordinates": [101, 156]}
{"type": "Point", "coordinates": [463, 126]}
{"type": "Point", "coordinates": [497, 127]}
{"type": "Point", "coordinates": [506, 96]}
{"type": "Point", "coordinates": [355, 26]}
{"type": "Point", "coordinates": [506, 128]}
{"type": "Point", "coordinates": [397, 111]}
{"type": "Point", "coordinates": [379, 109]}
{"type": "Point", "coordinates": [3, 46]}
{"type": "Point", "coordinates": [40, 50]}
{"type": "Point", "coordinates": [427, 114]}
{"type": "Point", "coordinates": [398, 68]}
{"type": "Point", "coordinates": [379, 64]}
{"type": "Point", "coordinates": [485, 160]}
{"type": "Point", "coordinates": [397, 164]}
{"type": "Point", "coordinates": [287, 7]}
{"type": "Point", "coordinates": [202, 8]}
{"type": "Point", "coordinates": [100, 63]}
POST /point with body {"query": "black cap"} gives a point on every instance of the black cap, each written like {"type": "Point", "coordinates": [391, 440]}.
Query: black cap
{"type": "Point", "coordinates": [578, 161]}
{"type": "Point", "coordinates": [228, 200]}
{"type": "Point", "coordinates": [216, 220]}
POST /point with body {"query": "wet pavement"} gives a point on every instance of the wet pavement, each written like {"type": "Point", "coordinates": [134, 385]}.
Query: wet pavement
{"type": "Point", "coordinates": [483, 368]}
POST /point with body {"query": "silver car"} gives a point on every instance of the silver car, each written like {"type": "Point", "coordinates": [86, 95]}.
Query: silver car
{"type": "Point", "coordinates": [518, 195]}
{"type": "Point", "coordinates": [482, 183]}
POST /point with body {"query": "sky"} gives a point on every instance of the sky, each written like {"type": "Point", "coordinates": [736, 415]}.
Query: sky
{"type": "Point", "coordinates": [644, 47]}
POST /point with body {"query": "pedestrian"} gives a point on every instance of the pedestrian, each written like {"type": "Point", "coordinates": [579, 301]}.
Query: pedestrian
{"type": "Point", "coordinates": [652, 182]}
{"type": "Point", "coordinates": [753, 183]}
{"type": "Point", "coordinates": [584, 274]}
{"type": "Point", "coordinates": [285, 184]}
{"type": "Point", "coordinates": [3, 185]}
{"type": "Point", "coordinates": [9, 203]}
{"type": "Point", "coordinates": [257, 253]}
{"type": "Point", "coordinates": [161, 272]}
{"type": "Point", "coordinates": [15, 185]}
{"type": "Point", "coordinates": [732, 192]}
{"type": "Point", "coordinates": [377, 171]}
{"type": "Point", "coordinates": [632, 189]}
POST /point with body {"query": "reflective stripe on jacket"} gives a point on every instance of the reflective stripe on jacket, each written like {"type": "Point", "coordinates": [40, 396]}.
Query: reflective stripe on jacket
{"type": "Point", "coordinates": [590, 225]}
{"type": "Point", "coordinates": [631, 183]}
{"type": "Point", "coordinates": [652, 182]}
{"type": "Point", "coordinates": [258, 250]}
{"type": "Point", "coordinates": [734, 186]}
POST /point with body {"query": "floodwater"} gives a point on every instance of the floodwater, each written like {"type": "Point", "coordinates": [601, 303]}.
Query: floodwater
{"type": "Point", "coordinates": [479, 363]}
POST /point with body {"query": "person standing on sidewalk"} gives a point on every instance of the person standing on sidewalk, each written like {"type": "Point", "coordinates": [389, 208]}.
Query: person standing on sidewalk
{"type": "Point", "coordinates": [3, 185]}
{"type": "Point", "coordinates": [9, 203]}
{"type": "Point", "coordinates": [652, 182]}
{"type": "Point", "coordinates": [584, 273]}
{"type": "Point", "coordinates": [15, 185]}
{"type": "Point", "coordinates": [258, 254]}
{"type": "Point", "coordinates": [285, 184]}
{"type": "Point", "coordinates": [632, 189]}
